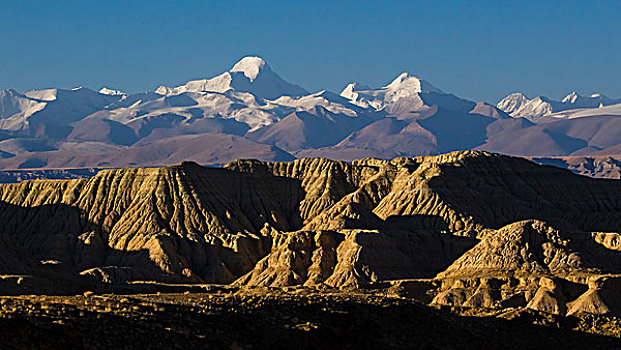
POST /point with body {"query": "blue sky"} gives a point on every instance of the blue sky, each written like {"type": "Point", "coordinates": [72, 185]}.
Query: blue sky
{"type": "Point", "coordinates": [480, 50]}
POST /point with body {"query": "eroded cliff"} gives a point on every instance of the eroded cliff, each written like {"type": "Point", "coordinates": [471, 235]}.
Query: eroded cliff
{"type": "Point", "coordinates": [464, 228]}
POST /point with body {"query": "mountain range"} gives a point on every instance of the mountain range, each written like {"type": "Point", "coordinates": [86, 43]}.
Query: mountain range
{"type": "Point", "coordinates": [251, 112]}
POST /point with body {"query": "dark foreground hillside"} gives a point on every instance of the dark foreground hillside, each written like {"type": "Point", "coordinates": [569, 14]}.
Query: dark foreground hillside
{"type": "Point", "coordinates": [258, 318]}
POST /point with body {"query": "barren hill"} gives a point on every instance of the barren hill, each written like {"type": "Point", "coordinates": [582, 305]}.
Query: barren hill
{"type": "Point", "coordinates": [463, 228]}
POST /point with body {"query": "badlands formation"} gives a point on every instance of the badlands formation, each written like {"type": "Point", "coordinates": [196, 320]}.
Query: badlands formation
{"type": "Point", "coordinates": [463, 229]}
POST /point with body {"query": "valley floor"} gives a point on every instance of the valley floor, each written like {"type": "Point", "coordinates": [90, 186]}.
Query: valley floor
{"type": "Point", "coordinates": [289, 318]}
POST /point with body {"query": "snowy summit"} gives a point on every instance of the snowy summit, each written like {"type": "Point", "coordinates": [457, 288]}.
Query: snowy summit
{"type": "Point", "coordinates": [251, 66]}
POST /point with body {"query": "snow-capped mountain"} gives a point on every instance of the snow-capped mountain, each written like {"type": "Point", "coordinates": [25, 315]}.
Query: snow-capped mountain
{"type": "Point", "coordinates": [250, 74]}
{"type": "Point", "coordinates": [249, 111]}
{"type": "Point", "coordinates": [403, 91]}
{"type": "Point", "coordinates": [41, 112]}
{"type": "Point", "coordinates": [106, 91]}
{"type": "Point", "coordinates": [518, 105]}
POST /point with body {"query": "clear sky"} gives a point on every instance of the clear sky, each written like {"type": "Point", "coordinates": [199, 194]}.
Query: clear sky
{"type": "Point", "coordinates": [481, 50]}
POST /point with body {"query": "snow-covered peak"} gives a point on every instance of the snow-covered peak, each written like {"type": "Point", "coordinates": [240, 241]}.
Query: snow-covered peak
{"type": "Point", "coordinates": [104, 90]}
{"type": "Point", "coordinates": [251, 66]}
{"type": "Point", "coordinates": [571, 98]}
{"type": "Point", "coordinates": [406, 81]}
{"type": "Point", "coordinates": [327, 100]}
{"type": "Point", "coordinates": [43, 95]}
{"type": "Point", "coordinates": [518, 105]}
{"type": "Point", "coordinates": [349, 91]}
{"type": "Point", "coordinates": [402, 95]}
{"type": "Point", "coordinates": [574, 100]}
{"type": "Point", "coordinates": [512, 103]}
{"type": "Point", "coordinates": [12, 102]}
{"type": "Point", "coordinates": [250, 74]}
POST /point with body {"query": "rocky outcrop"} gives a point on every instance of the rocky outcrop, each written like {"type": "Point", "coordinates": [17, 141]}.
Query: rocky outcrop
{"type": "Point", "coordinates": [602, 297]}
{"type": "Point", "coordinates": [353, 258]}
{"type": "Point", "coordinates": [532, 247]}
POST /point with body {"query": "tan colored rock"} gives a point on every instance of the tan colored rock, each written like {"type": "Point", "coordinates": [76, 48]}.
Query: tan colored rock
{"type": "Point", "coordinates": [548, 298]}
{"type": "Point", "coordinates": [534, 247]}
{"type": "Point", "coordinates": [343, 258]}
{"type": "Point", "coordinates": [470, 216]}
{"type": "Point", "coordinates": [602, 297]}
{"type": "Point", "coordinates": [547, 301]}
